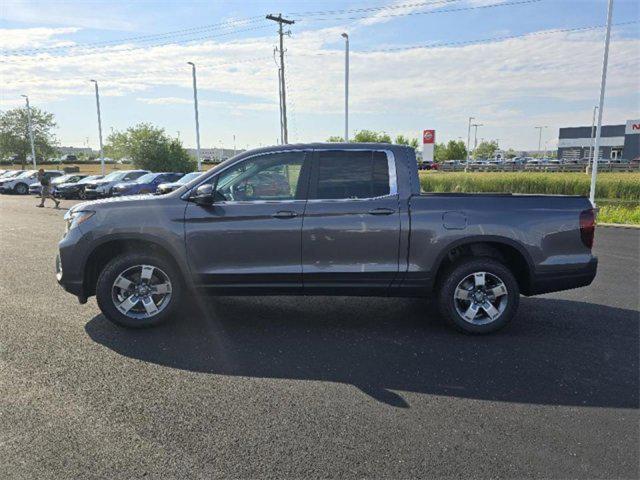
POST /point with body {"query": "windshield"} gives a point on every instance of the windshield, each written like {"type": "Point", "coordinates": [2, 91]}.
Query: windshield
{"type": "Point", "coordinates": [188, 177]}
{"type": "Point", "coordinates": [26, 174]}
{"type": "Point", "coordinates": [9, 174]}
{"type": "Point", "coordinates": [90, 179]}
{"type": "Point", "coordinates": [114, 176]}
{"type": "Point", "coordinates": [147, 177]}
{"type": "Point", "coordinates": [62, 179]}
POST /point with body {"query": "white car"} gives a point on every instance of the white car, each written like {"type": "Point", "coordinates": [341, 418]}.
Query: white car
{"type": "Point", "coordinates": [104, 187]}
{"type": "Point", "coordinates": [20, 184]}
{"type": "Point", "coordinates": [10, 174]}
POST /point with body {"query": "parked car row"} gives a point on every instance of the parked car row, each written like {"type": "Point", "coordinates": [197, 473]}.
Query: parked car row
{"type": "Point", "coordinates": [19, 181]}
{"type": "Point", "coordinates": [83, 186]}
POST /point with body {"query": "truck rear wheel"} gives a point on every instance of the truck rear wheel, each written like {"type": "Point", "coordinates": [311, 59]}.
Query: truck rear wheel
{"type": "Point", "coordinates": [138, 290]}
{"type": "Point", "coordinates": [478, 295]}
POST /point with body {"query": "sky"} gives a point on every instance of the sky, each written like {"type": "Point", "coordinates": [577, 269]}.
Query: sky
{"type": "Point", "coordinates": [414, 65]}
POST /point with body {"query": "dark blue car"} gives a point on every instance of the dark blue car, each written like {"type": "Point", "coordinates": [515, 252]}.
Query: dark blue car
{"type": "Point", "coordinates": [145, 184]}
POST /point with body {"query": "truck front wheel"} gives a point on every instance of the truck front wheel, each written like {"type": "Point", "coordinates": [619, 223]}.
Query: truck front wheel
{"type": "Point", "coordinates": [138, 290]}
{"type": "Point", "coordinates": [478, 295]}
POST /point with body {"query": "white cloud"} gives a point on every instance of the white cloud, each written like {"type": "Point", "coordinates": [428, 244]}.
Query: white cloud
{"type": "Point", "coordinates": [255, 106]}
{"type": "Point", "coordinates": [401, 7]}
{"type": "Point", "coordinates": [77, 14]}
{"type": "Point", "coordinates": [495, 81]}
{"type": "Point", "coordinates": [14, 38]}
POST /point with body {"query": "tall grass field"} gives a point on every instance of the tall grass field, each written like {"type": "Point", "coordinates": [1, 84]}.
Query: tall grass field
{"type": "Point", "coordinates": [617, 194]}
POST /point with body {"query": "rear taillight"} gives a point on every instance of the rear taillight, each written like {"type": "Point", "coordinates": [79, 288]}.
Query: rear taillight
{"type": "Point", "coordinates": [587, 227]}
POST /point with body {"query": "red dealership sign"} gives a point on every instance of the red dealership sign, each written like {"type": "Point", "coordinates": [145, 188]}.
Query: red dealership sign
{"type": "Point", "coordinates": [428, 136]}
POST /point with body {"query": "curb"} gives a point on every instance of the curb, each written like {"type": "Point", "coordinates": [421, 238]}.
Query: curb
{"type": "Point", "coordinates": [617, 225]}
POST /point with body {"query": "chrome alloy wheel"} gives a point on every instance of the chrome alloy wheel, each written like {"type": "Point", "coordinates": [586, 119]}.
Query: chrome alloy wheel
{"type": "Point", "coordinates": [480, 298]}
{"type": "Point", "coordinates": [141, 291]}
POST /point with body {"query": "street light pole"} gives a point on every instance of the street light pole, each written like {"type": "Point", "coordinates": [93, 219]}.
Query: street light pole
{"type": "Point", "coordinates": [346, 87]}
{"type": "Point", "coordinates": [475, 135]}
{"type": "Point", "coordinates": [593, 134]}
{"type": "Point", "coordinates": [603, 84]}
{"type": "Point", "coordinates": [540, 137]}
{"type": "Point", "coordinates": [99, 127]}
{"type": "Point", "coordinates": [195, 104]}
{"type": "Point", "coordinates": [469, 138]}
{"type": "Point", "coordinates": [33, 147]}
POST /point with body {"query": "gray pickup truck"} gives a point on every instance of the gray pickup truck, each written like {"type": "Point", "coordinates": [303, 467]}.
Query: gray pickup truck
{"type": "Point", "coordinates": [325, 219]}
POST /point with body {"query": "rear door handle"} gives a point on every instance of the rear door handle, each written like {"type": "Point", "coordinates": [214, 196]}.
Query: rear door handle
{"type": "Point", "coordinates": [382, 211]}
{"type": "Point", "coordinates": [284, 214]}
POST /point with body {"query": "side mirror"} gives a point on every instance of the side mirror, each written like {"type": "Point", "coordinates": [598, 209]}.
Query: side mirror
{"type": "Point", "coordinates": [203, 195]}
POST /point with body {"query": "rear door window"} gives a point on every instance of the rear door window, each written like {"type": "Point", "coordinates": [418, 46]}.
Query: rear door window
{"type": "Point", "coordinates": [351, 175]}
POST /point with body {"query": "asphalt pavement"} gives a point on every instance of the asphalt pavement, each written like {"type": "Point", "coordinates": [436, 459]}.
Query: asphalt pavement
{"type": "Point", "coordinates": [283, 387]}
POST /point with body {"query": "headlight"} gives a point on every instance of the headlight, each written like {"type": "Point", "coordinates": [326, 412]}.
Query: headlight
{"type": "Point", "coordinates": [74, 219]}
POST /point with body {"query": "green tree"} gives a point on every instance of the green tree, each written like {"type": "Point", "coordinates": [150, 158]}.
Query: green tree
{"type": "Point", "coordinates": [402, 140]}
{"type": "Point", "coordinates": [335, 139]}
{"type": "Point", "coordinates": [485, 150]}
{"type": "Point", "coordinates": [369, 136]}
{"type": "Point", "coordinates": [511, 153]}
{"type": "Point", "coordinates": [150, 148]}
{"type": "Point", "coordinates": [456, 150]}
{"type": "Point", "coordinates": [14, 133]}
{"type": "Point", "coordinates": [439, 152]}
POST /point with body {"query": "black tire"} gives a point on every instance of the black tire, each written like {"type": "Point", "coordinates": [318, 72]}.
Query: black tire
{"type": "Point", "coordinates": [120, 264]}
{"type": "Point", "coordinates": [21, 189]}
{"type": "Point", "coordinates": [81, 194]}
{"type": "Point", "coordinates": [461, 271]}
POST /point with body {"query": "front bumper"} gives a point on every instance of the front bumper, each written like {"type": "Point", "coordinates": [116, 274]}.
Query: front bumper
{"type": "Point", "coordinates": [92, 194]}
{"type": "Point", "coordinates": [563, 278]}
{"type": "Point", "coordinates": [69, 263]}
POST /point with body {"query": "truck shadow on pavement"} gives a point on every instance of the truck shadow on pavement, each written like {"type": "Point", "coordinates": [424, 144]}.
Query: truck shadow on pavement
{"type": "Point", "coordinates": [557, 352]}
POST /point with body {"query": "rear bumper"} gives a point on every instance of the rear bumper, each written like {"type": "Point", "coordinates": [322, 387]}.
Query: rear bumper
{"type": "Point", "coordinates": [563, 278]}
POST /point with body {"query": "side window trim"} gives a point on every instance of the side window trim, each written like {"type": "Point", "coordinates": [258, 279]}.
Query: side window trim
{"type": "Point", "coordinates": [391, 165]}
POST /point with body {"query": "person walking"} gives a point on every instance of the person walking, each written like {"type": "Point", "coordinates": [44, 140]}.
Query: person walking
{"type": "Point", "coordinates": [45, 191]}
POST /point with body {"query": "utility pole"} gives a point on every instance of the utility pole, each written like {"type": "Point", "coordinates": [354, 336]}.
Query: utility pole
{"type": "Point", "coordinates": [33, 147]}
{"type": "Point", "coordinates": [593, 134]}
{"type": "Point", "coordinates": [99, 128]}
{"type": "Point", "coordinates": [603, 85]}
{"type": "Point", "coordinates": [195, 104]}
{"type": "Point", "coordinates": [346, 87]}
{"type": "Point", "coordinates": [540, 128]}
{"type": "Point", "coordinates": [469, 139]}
{"type": "Point", "coordinates": [282, 21]}
{"type": "Point", "coordinates": [280, 105]}
{"type": "Point", "coordinates": [475, 135]}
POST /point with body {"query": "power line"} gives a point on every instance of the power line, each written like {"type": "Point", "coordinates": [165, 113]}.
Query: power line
{"type": "Point", "coordinates": [372, 9]}
{"type": "Point", "coordinates": [217, 26]}
{"type": "Point", "coordinates": [136, 49]}
{"type": "Point", "coordinates": [431, 12]}
{"type": "Point", "coordinates": [496, 39]}
{"type": "Point", "coordinates": [469, 42]}
{"type": "Point", "coordinates": [142, 38]}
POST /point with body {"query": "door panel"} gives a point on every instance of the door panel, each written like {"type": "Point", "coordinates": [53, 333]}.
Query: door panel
{"type": "Point", "coordinates": [350, 244]}
{"type": "Point", "coordinates": [245, 244]}
{"type": "Point", "coordinates": [251, 239]}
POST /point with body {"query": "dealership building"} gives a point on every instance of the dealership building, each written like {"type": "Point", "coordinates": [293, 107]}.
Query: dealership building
{"type": "Point", "coordinates": [616, 141]}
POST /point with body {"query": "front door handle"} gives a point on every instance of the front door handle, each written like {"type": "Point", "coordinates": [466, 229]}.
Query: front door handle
{"type": "Point", "coordinates": [284, 214]}
{"type": "Point", "coordinates": [382, 211]}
